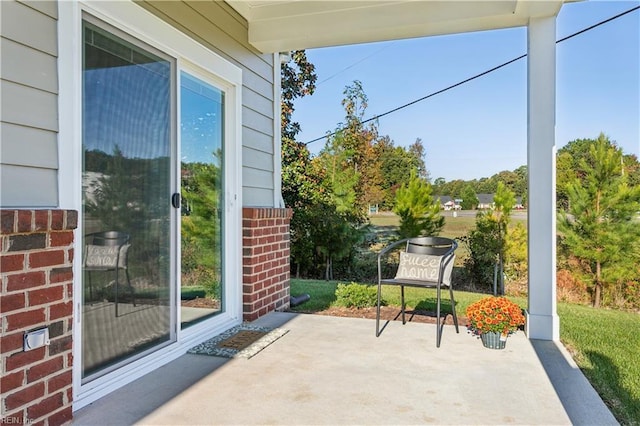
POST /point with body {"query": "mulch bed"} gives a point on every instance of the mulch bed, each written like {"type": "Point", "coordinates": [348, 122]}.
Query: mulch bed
{"type": "Point", "coordinates": [386, 313]}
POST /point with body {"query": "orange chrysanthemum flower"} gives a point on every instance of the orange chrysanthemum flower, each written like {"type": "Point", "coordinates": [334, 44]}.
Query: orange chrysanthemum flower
{"type": "Point", "coordinates": [497, 314]}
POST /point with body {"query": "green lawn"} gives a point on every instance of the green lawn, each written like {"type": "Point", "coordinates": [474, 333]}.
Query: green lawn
{"type": "Point", "coordinates": [604, 343]}
{"type": "Point", "coordinates": [454, 227]}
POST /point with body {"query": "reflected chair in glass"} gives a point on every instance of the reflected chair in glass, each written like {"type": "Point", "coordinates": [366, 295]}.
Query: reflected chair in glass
{"type": "Point", "coordinates": [425, 262]}
{"type": "Point", "coordinates": [108, 252]}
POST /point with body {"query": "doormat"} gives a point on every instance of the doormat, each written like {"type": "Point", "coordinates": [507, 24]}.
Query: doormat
{"type": "Point", "coordinates": [242, 341]}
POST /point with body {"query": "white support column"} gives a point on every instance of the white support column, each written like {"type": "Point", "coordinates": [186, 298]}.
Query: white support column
{"type": "Point", "coordinates": [542, 318]}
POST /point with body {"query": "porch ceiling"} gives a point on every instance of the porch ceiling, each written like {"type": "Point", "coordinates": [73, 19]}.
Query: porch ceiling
{"type": "Point", "coordinates": [284, 25]}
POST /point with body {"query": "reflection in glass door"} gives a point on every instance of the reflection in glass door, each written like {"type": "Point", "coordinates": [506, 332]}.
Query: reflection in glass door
{"type": "Point", "coordinates": [127, 139]}
{"type": "Point", "coordinates": [201, 155]}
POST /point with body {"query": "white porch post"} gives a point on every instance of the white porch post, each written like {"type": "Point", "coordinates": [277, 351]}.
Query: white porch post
{"type": "Point", "coordinates": [542, 318]}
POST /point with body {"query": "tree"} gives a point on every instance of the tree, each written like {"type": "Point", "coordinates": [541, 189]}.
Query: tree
{"type": "Point", "coordinates": [438, 184]}
{"type": "Point", "coordinates": [396, 166]}
{"type": "Point", "coordinates": [298, 79]}
{"type": "Point", "coordinates": [599, 225]}
{"type": "Point", "coordinates": [487, 243]}
{"type": "Point", "coordinates": [419, 212]}
{"type": "Point", "coordinates": [521, 187]}
{"type": "Point", "coordinates": [353, 167]}
{"type": "Point", "coordinates": [516, 250]}
{"type": "Point", "coordinates": [335, 236]}
{"type": "Point", "coordinates": [569, 166]}
{"type": "Point", "coordinates": [469, 198]}
{"type": "Point", "coordinates": [341, 178]}
{"type": "Point", "coordinates": [418, 152]}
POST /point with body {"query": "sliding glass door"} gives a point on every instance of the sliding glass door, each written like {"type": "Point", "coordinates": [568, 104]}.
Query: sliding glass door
{"type": "Point", "coordinates": [153, 163]}
{"type": "Point", "coordinates": [127, 135]}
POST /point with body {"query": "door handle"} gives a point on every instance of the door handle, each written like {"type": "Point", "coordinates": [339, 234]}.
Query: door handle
{"type": "Point", "coordinates": [175, 200]}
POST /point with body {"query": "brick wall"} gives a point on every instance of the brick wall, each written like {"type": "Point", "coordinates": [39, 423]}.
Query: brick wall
{"type": "Point", "coordinates": [36, 259]}
{"type": "Point", "coordinates": [265, 261]}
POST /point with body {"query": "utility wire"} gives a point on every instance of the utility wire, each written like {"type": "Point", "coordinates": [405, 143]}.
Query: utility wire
{"type": "Point", "coordinates": [356, 63]}
{"type": "Point", "coordinates": [476, 76]}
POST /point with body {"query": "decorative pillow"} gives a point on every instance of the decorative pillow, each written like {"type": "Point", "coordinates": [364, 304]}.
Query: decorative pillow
{"type": "Point", "coordinates": [423, 267]}
{"type": "Point", "coordinates": [105, 256]}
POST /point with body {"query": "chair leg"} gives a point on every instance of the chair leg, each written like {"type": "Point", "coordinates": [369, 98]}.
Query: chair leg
{"type": "Point", "coordinates": [453, 309]}
{"type": "Point", "coordinates": [402, 303]}
{"type": "Point", "coordinates": [133, 293]}
{"type": "Point", "coordinates": [116, 293]}
{"type": "Point", "coordinates": [378, 311]}
{"type": "Point", "coordinates": [438, 329]}
{"type": "Point", "coordinates": [90, 286]}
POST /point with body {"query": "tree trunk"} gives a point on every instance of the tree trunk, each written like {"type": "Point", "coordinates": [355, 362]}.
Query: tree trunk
{"type": "Point", "coordinates": [597, 295]}
{"type": "Point", "coordinates": [326, 269]}
{"type": "Point", "coordinates": [330, 268]}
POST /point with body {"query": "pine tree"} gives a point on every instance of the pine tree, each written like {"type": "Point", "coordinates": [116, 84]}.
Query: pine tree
{"type": "Point", "coordinates": [599, 227]}
{"type": "Point", "coordinates": [419, 212]}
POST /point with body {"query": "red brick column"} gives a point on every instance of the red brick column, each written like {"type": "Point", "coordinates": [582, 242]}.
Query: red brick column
{"type": "Point", "coordinates": [265, 261]}
{"type": "Point", "coordinates": [36, 259]}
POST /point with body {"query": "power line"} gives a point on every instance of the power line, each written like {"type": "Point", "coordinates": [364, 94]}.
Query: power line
{"type": "Point", "coordinates": [356, 63]}
{"type": "Point", "coordinates": [476, 76]}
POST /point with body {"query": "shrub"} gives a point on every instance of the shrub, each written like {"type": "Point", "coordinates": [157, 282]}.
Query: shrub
{"type": "Point", "coordinates": [632, 294]}
{"type": "Point", "coordinates": [356, 295]}
{"type": "Point", "coordinates": [570, 288]}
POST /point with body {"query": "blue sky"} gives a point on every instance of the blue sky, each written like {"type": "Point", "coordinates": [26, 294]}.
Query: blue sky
{"type": "Point", "coordinates": [478, 129]}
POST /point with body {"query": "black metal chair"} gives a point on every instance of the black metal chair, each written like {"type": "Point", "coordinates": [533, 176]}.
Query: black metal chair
{"type": "Point", "coordinates": [425, 262]}
{"type": "Point", "coordinates": [105, 252]}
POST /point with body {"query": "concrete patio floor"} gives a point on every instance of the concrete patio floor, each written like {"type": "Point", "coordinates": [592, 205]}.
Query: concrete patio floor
{"type": "Point", "coordinates": [331, 370]}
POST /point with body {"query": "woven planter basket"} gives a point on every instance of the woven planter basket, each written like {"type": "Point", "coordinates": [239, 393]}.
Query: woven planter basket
{"type": "Point", "coordinates": [493, 340]}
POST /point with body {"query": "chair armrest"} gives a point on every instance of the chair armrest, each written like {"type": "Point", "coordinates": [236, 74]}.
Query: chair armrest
{"type": "Point", "coordinates": [385, 252]}
{"type": "Point", "coordinates": [390, 247]}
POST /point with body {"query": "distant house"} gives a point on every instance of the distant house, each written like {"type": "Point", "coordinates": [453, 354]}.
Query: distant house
{"type": "Point", "coordinates": [447, 203]}
{"type": "Point", "coordinates": [485, 201]}
{"type": "Point", "coordinates": [518, 205]}
{"type": "Point", "coordinates": [444, 200]}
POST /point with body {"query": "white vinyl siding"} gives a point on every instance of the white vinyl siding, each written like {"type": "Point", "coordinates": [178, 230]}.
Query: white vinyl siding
{"type": "Point", "coordinates": [260, 141]}
{"type": "Point", "coordinates": [29, 87]}
{"type": "Point", "coordinates": [221, 29]}
{"type": "Point", "coordinates": [35, 68]}
{"type": "Point", "coordinates": [42, 145]}
{"type": "Point", "coordinates": [29, 107]}
{"type": "Point", "coordinates": [29, 26]}
{"type": "Point", "coordinates": [32, 187]}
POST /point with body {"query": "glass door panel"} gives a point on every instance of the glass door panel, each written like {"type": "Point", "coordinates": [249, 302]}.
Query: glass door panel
{"type": "Point", "coordinates": [127, 140]}
{"type": "Point", "coordinates": [201, 135]}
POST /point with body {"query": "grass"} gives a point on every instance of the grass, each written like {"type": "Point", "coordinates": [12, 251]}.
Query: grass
{"type": "Point", "coordinates": [606, 346]}
{"type": "Point", "coordinates": [604, 343]}
{"type": "Point", "coordinates": [454, 227]}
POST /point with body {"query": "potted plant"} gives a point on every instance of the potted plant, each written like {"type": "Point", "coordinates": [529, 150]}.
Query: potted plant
{"type": "Point", "coordinates": [494, 319]}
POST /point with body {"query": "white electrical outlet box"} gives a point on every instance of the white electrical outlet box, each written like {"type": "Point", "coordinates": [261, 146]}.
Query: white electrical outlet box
{"type": "Point", "coordinates": [36, 339]}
